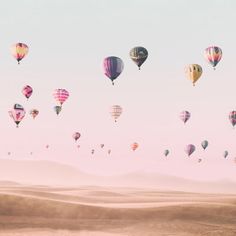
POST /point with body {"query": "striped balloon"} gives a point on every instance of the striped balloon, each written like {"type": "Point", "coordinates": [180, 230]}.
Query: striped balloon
{"type": "Point", "coordinates": [61, 95]}
{"type": "Point", "coordinates": [184, 116]}
{"type": "Point", "coordinates": [76, 136]}
{"type": "Point", "coordinates": [116, 111]}
{"type": "Point", "coordinates": [134, 146]}
{"type": "Point", "coordinates": [27, 91]}
{"type": "Point", "coordinates": [189, 149]}
{"type": "Point", "coordinates": [232, 117]}
{"type": "Point", "coordinates": [113, 66]}
{"type": "Point", "coordinates": [19, 51]}
{"type": "Point", "coordinates": [213, 55]}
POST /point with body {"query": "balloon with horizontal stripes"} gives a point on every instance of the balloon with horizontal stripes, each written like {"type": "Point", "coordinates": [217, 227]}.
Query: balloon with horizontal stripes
{"type": "Point", "coordinates": [134, 146]}
{"type": "Point", "coordinates": [116, 111]}
{"type": "Point", "coordinates": [185, 116]}
{"type": "Point", "coordinates": [61, 95]}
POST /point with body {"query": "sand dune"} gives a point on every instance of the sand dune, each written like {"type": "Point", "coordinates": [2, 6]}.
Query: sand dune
{"type": "Point", "coordinates": [27, 211]}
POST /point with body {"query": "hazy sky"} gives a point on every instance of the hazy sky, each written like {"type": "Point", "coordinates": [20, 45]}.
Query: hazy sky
{"type": "Point", "coordinates": [68, 41]}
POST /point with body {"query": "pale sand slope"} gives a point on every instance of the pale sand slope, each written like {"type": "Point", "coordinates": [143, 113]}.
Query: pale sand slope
{"type": "Point", "coordinates": [93, 211]}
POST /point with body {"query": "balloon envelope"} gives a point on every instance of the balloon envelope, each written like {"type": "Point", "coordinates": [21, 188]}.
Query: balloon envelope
{"type": "Point", "coordinates": [232, 118]}
{"type": "Point", "coordinates": [113, 66]}
{"type": "Point", "coordinates": [204, 144]}
{"type": "Point", "coordinates": [213, 55]}
{"type": "Point", "coordinates": [61, 95]}
{"type": "Point", "coordinates": [185, 116]}
{"type": "Point", "coordinates": [189, 149]}
{"type": "Point", "coordinates": [17, 113]}
{"type": "Point", "coordinates": [57, 109]}
{"type": "Point", "coordinates": [27, 91]}
{"type": "Point", "coordinates": [76, 136]}
{"type": "Point", "coordinates": [193, 72]}
{"type": "Point", "coordinates": [116, 111]}
{"type": "Point", "coordinates": [34, 113]}
{"type": "Point", "coordinates": [138, 55]}
{"type": "Point", "coordinates": [19, 51]}
{"type": "Point", "coordinates": [134, 146]}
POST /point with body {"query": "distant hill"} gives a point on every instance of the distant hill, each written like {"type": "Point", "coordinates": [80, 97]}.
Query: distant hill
{"type": "Point", "coordinates": [52, 173]}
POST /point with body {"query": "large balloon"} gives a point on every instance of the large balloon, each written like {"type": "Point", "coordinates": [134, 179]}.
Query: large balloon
{"type": "Point", "coordinates": [166, 152]}
{"type": "Point", "coordinates": [17, 113]}
{"type": "Point", "coordinates": [113, 66]}
{"type": "Point", "coordinates": [232, 118]}
{"type": "Point", "coordinates": [189, 149]}
{"type": "Point", "coordinates": [61, 95]}
{"type": "Point", "coordinates": [138, 55]}
{"type": "Point", "coordinates": [184, 116]}
{"type": "Point", "coordinates": [194, 72]}
{"type": "Point", "coordinates": [213, 55]}
{"type": "Point", "coordinates": [134, 146]}
{"type": "Point", "coordinates": [57, 109]}
{"type": "Point", "coordinates": [116, 111]}
{"type": "Point", "coordinates": [34, 113]}
{"type": "Point", "coordinates": [76, 136]}
{"type": "Point", "coordinates": [204, 144]}
{"type": "Point", "coordinates": [226, 153]}
{"type": "Point", "coordinates": [27, 91]}
{"type": "Point", "coordinates": [19, 51]}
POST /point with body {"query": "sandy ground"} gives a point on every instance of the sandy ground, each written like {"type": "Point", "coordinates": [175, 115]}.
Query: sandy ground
{"type": "Point", "coordinates": [92, 211]}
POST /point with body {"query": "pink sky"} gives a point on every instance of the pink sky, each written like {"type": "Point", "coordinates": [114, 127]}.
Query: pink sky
{"type": "Point", "coordinates": [67, 43]}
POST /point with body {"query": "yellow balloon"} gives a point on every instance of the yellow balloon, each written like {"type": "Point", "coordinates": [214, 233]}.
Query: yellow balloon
{"type": "Point", "coordinates": [193, 72]}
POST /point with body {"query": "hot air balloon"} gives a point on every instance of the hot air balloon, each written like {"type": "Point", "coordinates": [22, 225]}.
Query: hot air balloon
{"type": "Point", "coordinates": [232, 117]}
{"type": "Point", "coordinates": [226, 153]}
{"type": "Point", "coordinates": [138, 55]}
{"type": "Point", "coordinates": [166, 152]}
{"type": "Point", "coordinates": [113, 66]}
{"type": "Point", "coordinates": [134, 146]}
{"type": "Point", "coordinates": [92, 151]}
{"type": "Point", "coordinates": [193, 72]}
{"type": "Point", "coordinates": [57, 109]}
{"type": "Point", "coordinates": [204, 144]}
{"type": "Point", "coordinates": [47, 146]}
{"type": "Point", "coordinates": [27, 91]}
{"type": "Point", "coordinates": [109, 151]}
{"type": "Point", "coordinates": [61, 95]}
{"type": "Point", "coordinates": [19, 51]}
{"type": "Point", "coordinates": [76, 136]}
{"type": "Point", "coordinates": [199, 160]}
{"type": "Point", "coordinates": [17, 113]}
{"type": "Point", "coordinates": [116, 111]}
{"type": "Point", "coordinates": [190, 149]}
{"type": "Point", "coordinates": [34, 113]}
{"type": "Point", "coordinates": [213, 55]}
{"type": "Point", "coordinates": [184, 116]}
{"type": "Point", "coordinates": [102, 145]}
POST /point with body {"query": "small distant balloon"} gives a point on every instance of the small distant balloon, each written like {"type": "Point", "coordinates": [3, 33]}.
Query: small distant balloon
{"type": "Point", "coordinates": [92, 151]}
{"type": "Point", "coordinates": [57, 109]}
{"type": "Point", "coordinates": [34, 113]}
{"type": "Point", "coordinates": [116, 111]}
{"type": "Point", "coordinates": [27, 91]}
{"type": "Point", "coordinates": [204, 144]}
{"type": "Point", "coordinates": [232, 118]}
{"type": "Point", "coordinates": [109, 151]}
{"type": "Point", "coordinates": [134, 146]}
{"type": "Point", "coordinates": [185, 116]}
{"type": "Point", "coordinates": [166, 152]}
{"type": "Point", "coordinates": [102, 145]}
{"type": "Point", "coordinates": [226, 153]}
{"type": "Point", "coordinates": [189, 149]}
{"type": "Point", "coordinates": [76, 136]}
